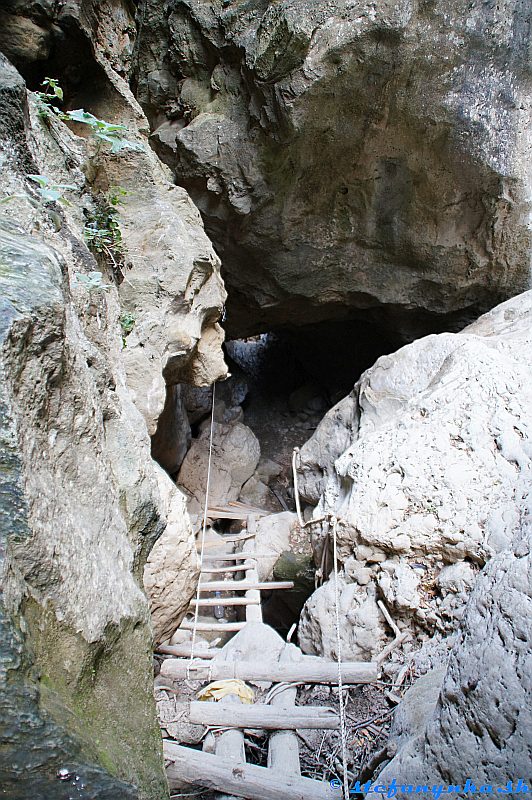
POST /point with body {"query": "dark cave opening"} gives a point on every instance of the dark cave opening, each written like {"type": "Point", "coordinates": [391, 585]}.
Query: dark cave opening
{"type": "Point", "coordinates": [282, 384]}
{"type": "Point", "coordinates": [294, 376]}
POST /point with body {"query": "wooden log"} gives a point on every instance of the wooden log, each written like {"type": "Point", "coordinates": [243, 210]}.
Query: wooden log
{"type": "Point", "coordinates": [310, 669]}
{"type": "Point", "coordinates": [243, 586]}
{"type": "Point", "coordinates": [223, 601]}
{"type": "Point", "coordinates": [254, 609]}
{"type": "Point", "coordinates": [262, 717]}
{"type": "Point", "coordinates": [226, 627]}
{"type": "Point", "coordinates": [239, 537]}
{"type": "Point", "coordinates": [237, 556]}
{"type": "Point", "coordinates": [185, 650]}
{"type": "Point", "coordinates": [246, 780]}
{"type": "Point", "coordinates": [283, 745]}
{"type": "Point", "coordinates": [230, 745]}
{"type": "Point", "coordinates": [222, 570]}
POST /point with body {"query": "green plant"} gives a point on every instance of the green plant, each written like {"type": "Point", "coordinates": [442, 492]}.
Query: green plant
{"type": "Point", "coordinates": [102, 230]}
{"type": "Point", "coordinates": [91, 281]}
{"type": "Point", "coordinates": [127, 323]}
{"type": "Point", "coordinates": [104, 131]}
{"type": "Point", "coordinates": [49, 191]}
{"type": "Point", "coordinates": [52, 91]}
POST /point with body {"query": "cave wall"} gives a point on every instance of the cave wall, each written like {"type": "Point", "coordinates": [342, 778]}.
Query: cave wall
{"type": "Point", "coordinates": [84, 507]}
{"type": "Point", "coordinates": [348, 159]}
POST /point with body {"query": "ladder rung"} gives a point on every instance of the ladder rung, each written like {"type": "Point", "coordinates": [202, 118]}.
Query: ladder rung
{"type": "Point", "coordinates": [238, 556]}
{"type": "Point", "coordinates": [188, 625]}
{"type": "Point", "coordinates": [222, 570]}
{"type": "Point", "coordinates": [243, 586]}
{"type": "Point", "coordinates": [224, 601]}
{"type": "Point", "coordinates": [240, 537]}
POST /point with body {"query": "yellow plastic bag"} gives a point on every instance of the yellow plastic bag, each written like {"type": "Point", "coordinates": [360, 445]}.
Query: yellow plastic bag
{"type": "Point", "coordinates": [215, 691]}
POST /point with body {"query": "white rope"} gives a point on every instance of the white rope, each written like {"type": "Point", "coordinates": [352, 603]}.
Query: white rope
{"type": "Point", "coordinates": [203, 530]}
{"type": "Point", "coordinates": [295, 464]}
{"type": "Point", "coordinates": [341, 708]}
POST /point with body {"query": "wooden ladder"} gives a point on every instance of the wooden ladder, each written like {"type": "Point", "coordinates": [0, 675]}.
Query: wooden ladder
{"type": "Point", "coordinates": [246, 592]}
{"type": "Point", "coordinates": [226, 771]}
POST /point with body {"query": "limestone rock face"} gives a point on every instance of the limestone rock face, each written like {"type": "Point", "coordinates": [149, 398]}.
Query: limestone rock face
{"type": "Point", "coordinates": [480, 728]}
{"type": "Point", "coordinates": [169, 579]}
{"type": "Point", "coordinates": [169, 274]}
{"type": "Point", "coordinates": [81, 501]}
{"type": "Point", "coordinates": [346, 156]}
{"type": "Point", "coordinates": [427, 489]}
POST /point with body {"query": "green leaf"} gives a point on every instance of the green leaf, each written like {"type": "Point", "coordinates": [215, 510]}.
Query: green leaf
{"type": "Point", "coordinates": [79, 115]}
{"type": "Point", "coordinates": [42, 180]}
{"type": "Point", "coordinates": [90, 280]}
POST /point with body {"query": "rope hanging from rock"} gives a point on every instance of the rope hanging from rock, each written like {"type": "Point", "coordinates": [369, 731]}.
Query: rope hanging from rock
{"type": "Point", "coordinates": [341, 708]}
{"type": "Point", "coordinates": [203, 529]}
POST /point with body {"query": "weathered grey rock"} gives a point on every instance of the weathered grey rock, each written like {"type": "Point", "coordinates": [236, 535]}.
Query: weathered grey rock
{"type": "Point", "coordinates": [235, 455]}
{"type": "Point", "coordinates": [480, 729]}
{"type": "Point", "coordinates": [81, 508]}
{"type": "Point", "coordinates": [438, 437]}
{"type": "Point", "coordinates": [362, 629]}
{"type": "Point", "coordinates": [256, 493]}
{"type": "Point", "coordinates": [169, 575]}
{"type": "Point", "coordinates": [171, 283]}
{"type": "Point", "coordinates": [416, 708]}
{"type": "Point", "coordinates": [82, 502]}
{"type": "Point", "coordinates": [280, 533]}
{"type": "Point", "coordinates": [349, 157]}
{"type": "Point", "coordinates": [172, 286]}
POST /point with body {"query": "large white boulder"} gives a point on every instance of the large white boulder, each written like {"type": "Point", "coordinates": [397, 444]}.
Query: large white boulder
{"type": "Point", "coordinates": [421, 463]}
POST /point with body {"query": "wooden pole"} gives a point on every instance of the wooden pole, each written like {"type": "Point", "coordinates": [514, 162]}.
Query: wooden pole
{"type": "Point", "coordinates": [237, 556]}
{"type": "Point", "coordinates": [283, 746]}
{"type": "Point", "coordinates": [240, 537]}
{"type": "Point", "coordinates": [223, 601]}
{"type": "Point", "coordinates": [243, 586]}
{"type": "Point", "coordinates": [228, 627]}
{"type": "Point", "coordinates": [184, 650]}
{"type": "Point", "coordinates": [310, 669]}
{"type": "Point", "coordinates": [254, 610]}
{"type": "Point", "coordinates": [230, 745]}
{"type": "Point", "coordinates": [260, 716]}
{"type": "Point", "coordinates": [222, 570]}
{"type": "Point", "coordinates": [196, 768]}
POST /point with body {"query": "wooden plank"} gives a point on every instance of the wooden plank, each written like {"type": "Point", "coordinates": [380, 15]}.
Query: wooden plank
{"type": "Point", "coordinates": [260, 716]}
{"type": "Point", "coordinates": [254, 610]}
{"type": "Point", "coordinates": [243, 506]}
{"type": "Point", "coordinates": [243, 586]}
{"type": "Point", "coordinates": [209, 602]}
{"type": "Point", "coordinates": [230, 745]}
{"type": "Point", "coordinates": [310, 669]}
{"type": "Point", "coordinates": [283, 745]}
{"type": "Point", "coordinates": [227, 513]}
{"type": "Point", "coordinates": [229, 627]}
{"type": "Point", "coordinates": [196, 768]}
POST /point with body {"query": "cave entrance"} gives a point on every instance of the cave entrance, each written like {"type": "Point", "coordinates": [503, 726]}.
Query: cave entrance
{"type": "Point", "coordinates": [282, 384]}
{"type": "Point", "coordinates": [293, 376]}
{"type": "Point", "coordinates": [289, 379]}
